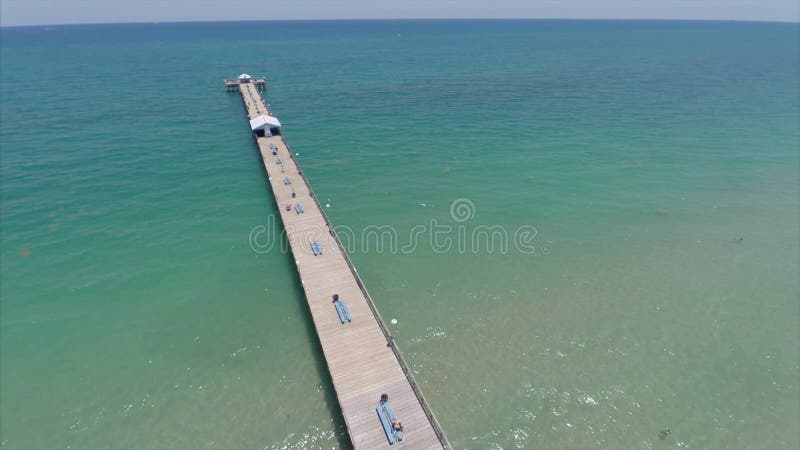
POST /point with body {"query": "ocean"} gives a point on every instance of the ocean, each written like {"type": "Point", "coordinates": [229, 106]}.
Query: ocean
{"type": "Point", "coordinates": [587, 231]}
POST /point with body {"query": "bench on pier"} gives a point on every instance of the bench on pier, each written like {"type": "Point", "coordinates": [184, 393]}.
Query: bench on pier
{"type": "Point", "coordinates": [287, 181]}
{"type": "Point", "coordinates": [278, 161]}
{"type": "Point", "coordinates": [298, 208]}
{"type": "Point", "coordinates": [342, 310]}
{"type": "Point", "coordinates": [273, 148]}
{"type": "Point", "coordinates": [316, 248]}
{"type": "Point", "coordinates": [387, 419]}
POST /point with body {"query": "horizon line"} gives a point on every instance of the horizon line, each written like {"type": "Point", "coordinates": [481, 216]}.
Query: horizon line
{"type": "Point", "coordinates": [400, 19]}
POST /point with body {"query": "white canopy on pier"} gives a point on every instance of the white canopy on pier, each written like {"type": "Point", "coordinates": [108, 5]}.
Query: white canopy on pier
{"type": "Point", "coordinates": [245, 76]}
{"type": "Point", "coordinates": [264, 122]}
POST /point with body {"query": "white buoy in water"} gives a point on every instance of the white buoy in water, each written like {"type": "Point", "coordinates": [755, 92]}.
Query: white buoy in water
{"type": "Point", "coordinates": [394, 321]}
{"type": "Point", "coordinates": [327, 205]}
{"type": "Point", "coordinates": [297, 154]}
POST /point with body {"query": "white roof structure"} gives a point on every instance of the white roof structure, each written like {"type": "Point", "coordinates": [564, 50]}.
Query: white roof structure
{"type": "Point", "coordinates": [264, 122]}
{"type": "Point", "coordinates": [245, 76]}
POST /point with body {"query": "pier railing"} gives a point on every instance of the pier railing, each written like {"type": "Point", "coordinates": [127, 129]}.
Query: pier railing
{"type": "Point", "coordinates": [437, 427]}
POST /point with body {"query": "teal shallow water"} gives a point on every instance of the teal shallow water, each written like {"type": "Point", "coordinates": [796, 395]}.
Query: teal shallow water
{"type": "Point", "coordinates": [136, 315]}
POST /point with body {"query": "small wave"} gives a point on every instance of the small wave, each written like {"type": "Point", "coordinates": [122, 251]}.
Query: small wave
{"type": "Point", "coordinates": [430, 333]}
{"type": "Point", "coordinates": [312, 439]}
{"type": "Point", "coordinates": [520, 437]}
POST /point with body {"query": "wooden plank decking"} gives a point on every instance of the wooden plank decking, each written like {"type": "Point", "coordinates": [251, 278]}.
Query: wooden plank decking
{"type": "Point", "coordinates": [360, 355]}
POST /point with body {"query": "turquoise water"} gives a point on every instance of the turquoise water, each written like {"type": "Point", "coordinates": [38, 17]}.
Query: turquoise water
{"type": "Point", "coordinates": [657, 161]}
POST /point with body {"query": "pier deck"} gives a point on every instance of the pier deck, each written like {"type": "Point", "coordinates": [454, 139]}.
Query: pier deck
{"type": "Point", "coordinates": [361, 356]}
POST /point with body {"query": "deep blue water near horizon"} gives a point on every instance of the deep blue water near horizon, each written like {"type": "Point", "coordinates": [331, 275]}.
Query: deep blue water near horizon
{"type": "Point", "coordinates": [657, 161]}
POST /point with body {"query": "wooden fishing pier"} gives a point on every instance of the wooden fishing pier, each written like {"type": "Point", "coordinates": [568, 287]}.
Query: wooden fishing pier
{"type": "Point", "coordinates": [362, 356]}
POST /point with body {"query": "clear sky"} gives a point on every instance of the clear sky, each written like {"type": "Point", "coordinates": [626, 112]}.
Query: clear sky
{"type": "Point", "coordinates": [37, 12]}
